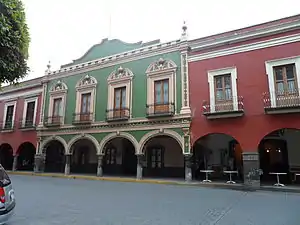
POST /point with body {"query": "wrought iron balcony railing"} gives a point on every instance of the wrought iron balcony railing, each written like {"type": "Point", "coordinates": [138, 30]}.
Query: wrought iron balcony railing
{"type": "Point", "coordinates": [53, 121]}
{"type": "Point", "coordinates": [160, 109]}
{"type": "Point", "coordinates": [281, 100]}
{"type": "Point", "coordinates": [7, 125]}
{"type": "Point", "coordinates": [79, 118]}
{"type": "Point", "coordinates": [117, 114]}
{"type": "Point", "coordinates": [27, 124]}
{"type": "Point", "coordinates": [235, 104]}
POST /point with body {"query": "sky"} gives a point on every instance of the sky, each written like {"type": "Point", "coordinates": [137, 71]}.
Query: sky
{"type": "Point", "coordinates": [63, 30]}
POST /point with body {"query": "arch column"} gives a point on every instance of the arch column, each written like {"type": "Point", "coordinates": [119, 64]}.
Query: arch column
{"type": "Point", "coordinates": [15, 163]}
{"type": "Point", "coordinates": [100, 164]}
{"type": "Point", "coordinates": [39, 162]}
{"type": "Point", "coordinates": [139, 166]}
{"type": "Point", "coordinates": [188, 168]}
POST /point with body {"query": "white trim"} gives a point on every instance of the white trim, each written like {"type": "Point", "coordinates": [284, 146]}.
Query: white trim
{"type": "Point", "coordinates": [9, 96]}
{"type": "Point", "coordinates": [211, 81]}
{"type": "Point", "coordinates": [82, 137]}
{"type": "Point", "coordinates": [14, 103]}
{"type": "Point", "coordinates": [246, 48]}
{"type": "Point", "coordinates": [28, 100]}
{"type": "Point", "coordinates": [270, 73]}
{"type": "Point", "coordinates": [52, 138]}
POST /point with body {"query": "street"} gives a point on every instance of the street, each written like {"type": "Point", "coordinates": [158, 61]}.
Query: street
{"type": "Point", "coordinates": [45, 201]}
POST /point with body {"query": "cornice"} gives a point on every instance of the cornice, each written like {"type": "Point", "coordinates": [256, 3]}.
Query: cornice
{"type": "Point", "coordinates": [140, 53]}
{"type": "Point", "coordinates": [243, 35]}
{"type": "Point", "coordinates": [179, 122]}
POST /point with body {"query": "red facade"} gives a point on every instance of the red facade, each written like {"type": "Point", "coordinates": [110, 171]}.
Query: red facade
{"type": "Point", "coordinates": [252, 80]}
{"type": "Point", "coordinates": [22, 130]}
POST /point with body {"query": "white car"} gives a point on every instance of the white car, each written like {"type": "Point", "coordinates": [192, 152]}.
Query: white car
{"type": "Point", "coordinates": [7, 197]}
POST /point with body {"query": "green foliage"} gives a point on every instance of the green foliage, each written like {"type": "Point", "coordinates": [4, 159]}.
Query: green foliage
{"type": "Point", "coordinates": [14, 41]}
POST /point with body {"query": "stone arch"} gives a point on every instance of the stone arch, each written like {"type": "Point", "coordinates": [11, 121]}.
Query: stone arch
{"type": "Point", "coordinates": [161, 65]}
{"type": "Point", "coordinates": [49, 139]}
{"type": "Point", "coordinates": [59, 86]}
{"type": "Point", "coordinates": [85, 136]}
{"type": "Point", "coordinates": [86, 81]}
{"type": "Point", "coordinates": [120, 74]}
{"type": "Point", "coordinates": [156, 133]}
{"type": "Point", "coordinates": [111, 136]}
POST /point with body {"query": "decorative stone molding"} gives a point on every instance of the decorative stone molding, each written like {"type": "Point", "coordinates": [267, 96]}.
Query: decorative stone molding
{"type": "Point", "coordinates": [111, 136]}
{"type": "Point", "coordinates": [59, 86]}
{"type": "Point", "coordinates": [161, 66]}
{"type": "Point", "coordinates": [80, 137]}
{"type": "Point", "coordinates": [86, 82]}
{"type": "Point", "coordinates": [156, 133]}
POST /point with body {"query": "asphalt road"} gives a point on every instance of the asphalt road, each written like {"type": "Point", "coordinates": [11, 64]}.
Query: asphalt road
{"type": "Point", "coordinates": [45, 201]}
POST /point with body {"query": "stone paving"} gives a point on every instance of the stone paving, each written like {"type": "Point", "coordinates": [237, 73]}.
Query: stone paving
{"type": "Point", "coordinates": [49, 201]}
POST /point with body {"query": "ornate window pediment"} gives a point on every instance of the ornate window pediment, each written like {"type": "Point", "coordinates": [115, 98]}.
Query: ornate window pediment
{"type": "Point", "coordinates": [161, 65]}
{"type": "Point", "coordinates": [59, 86]}
{"type": "Point", "coordinates": [121, 74]}
{"type": "Point", "coordinates": [86, 82]}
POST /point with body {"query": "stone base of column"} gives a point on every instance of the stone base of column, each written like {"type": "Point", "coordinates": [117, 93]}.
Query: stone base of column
{"type": "Point", "coordinates": [39, 163]}
{"type": "Point", "coordinates": [99, 167]}
{"type": "Point", "coordinates": [139, 167]}
{"type": "Point", "coordinates": [67, 165]}
{"type": "Point", "coordinates": [251, 169]}
{"type": "Point", "coordinates": [188, 168]}
{"type": "Point", "coordinates": [15, 163]}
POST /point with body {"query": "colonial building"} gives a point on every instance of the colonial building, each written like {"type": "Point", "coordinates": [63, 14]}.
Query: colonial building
{"type": "Point", "coordinates": [244, 92]}
{"type": "Point", "coordinates": [19, 112]}
{"type": "Point", "coordinates": [120, 109]}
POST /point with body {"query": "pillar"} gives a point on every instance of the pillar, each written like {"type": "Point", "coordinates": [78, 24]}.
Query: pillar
{"type": "Point", "coordinates": [15, 163]}
{"type": "Point", "coordinates": [99, 167]}
{"type": "Point", "coordinates": [188, 168]}
{"type": "Point", "coordinates": [251, 169]}
{"type": "Point", "coordinates": [39, 163]}
{"type": "Point", "coordinates": [139, 167]}
{"type": "Point", "coordinates": [67, 165]}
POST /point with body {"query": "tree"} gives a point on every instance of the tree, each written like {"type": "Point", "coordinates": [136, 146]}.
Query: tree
{"type": "Point", "coordinates": [14, 41]}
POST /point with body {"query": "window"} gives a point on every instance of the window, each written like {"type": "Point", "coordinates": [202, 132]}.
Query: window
{"type": "Point", "coordinates": [9, 117]}
{"type": "Point", "coordinates": [161, 95]}
{"type": "Point", "coordinates": [30, 114]}
{"type": "Point", "coordinates": [285, 80]}
{"type": "Point", "coordinates": [85, 98]}
{"type": "Point", "coordinates": [57, 103]}
{"type": "Point", "coordinates": [161, 81]}
{"type": "Point", "coordinates": [57, 110]}
{"type": "Point", "coordinates": [119, 93]}
{"type": "Point", "coordinates": [85, 107]}
{"type": "Point", "coordinates": [111, 156]}
{"type": "Point", "coordinates": [223, 90]}
{"type": "Point", "coordinates": [155, 157]}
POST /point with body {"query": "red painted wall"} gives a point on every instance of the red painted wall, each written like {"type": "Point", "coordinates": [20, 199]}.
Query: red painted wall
{"type": "Point", "coordinates": [17, 137]}
{"type": "Point", "coordinates": [252, 81]}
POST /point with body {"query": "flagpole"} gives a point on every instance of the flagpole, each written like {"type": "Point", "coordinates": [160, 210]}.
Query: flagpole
{"type": "Point", "coordinates": [109, 21]}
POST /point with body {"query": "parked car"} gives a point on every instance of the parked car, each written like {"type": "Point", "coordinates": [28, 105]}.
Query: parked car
{"type": "Point", "coordinates": [7, 197]}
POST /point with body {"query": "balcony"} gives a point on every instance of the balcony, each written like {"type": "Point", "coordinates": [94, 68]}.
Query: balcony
{"type": "Point", "coordinates": [117, 114]}
{"type": "Point", "coordinates": [53, 121]}
{"type": "Point", "coordinates": [7, 126]}
{"type": "Point", "coordinates": [281, 102]}
{"type": "Point", "coordinates": [82, 118]}
{"type": "Point", "coordinates": [225, 109]}
{"type": "Point", "coordinates": [27, 125]}
{"type": "Point", "coordinates": [160, 110]}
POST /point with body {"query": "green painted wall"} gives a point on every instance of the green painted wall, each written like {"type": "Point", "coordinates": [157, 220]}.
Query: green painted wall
{"type": "Point", "coordinates": [139, 87]}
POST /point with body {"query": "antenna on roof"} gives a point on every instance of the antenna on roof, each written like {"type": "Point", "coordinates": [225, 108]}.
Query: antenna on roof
{"type": "Point", "coordinates": [109, 20]}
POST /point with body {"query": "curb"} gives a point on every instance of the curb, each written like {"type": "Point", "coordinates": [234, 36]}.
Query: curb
{"type": "Point", "coordinates": [236, 187]}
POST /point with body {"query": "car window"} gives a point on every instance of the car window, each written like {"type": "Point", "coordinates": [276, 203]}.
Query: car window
{"type": "Point", "coordinates": [4, 179]}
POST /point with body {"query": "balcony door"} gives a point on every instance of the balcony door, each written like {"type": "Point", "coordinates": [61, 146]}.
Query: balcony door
{"type": "Point", "coordinates": [223, 93]}
{"type": "Point", "coordinates": [161, 96]}
{"type": "Point", "coordinates": [85, 111]}
{"type": "Point", "coordinates": [57, 110]}
{"type": "Point", "coordinates": [120, 102]}
{"type": "Point", "coordinates": [29, 114]}
{"type": "Point", "coordinates": [286, 85]}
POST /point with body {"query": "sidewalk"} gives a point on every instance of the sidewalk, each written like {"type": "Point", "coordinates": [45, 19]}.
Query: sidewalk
{"type": "Point", "coordinates": [239, 187]}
